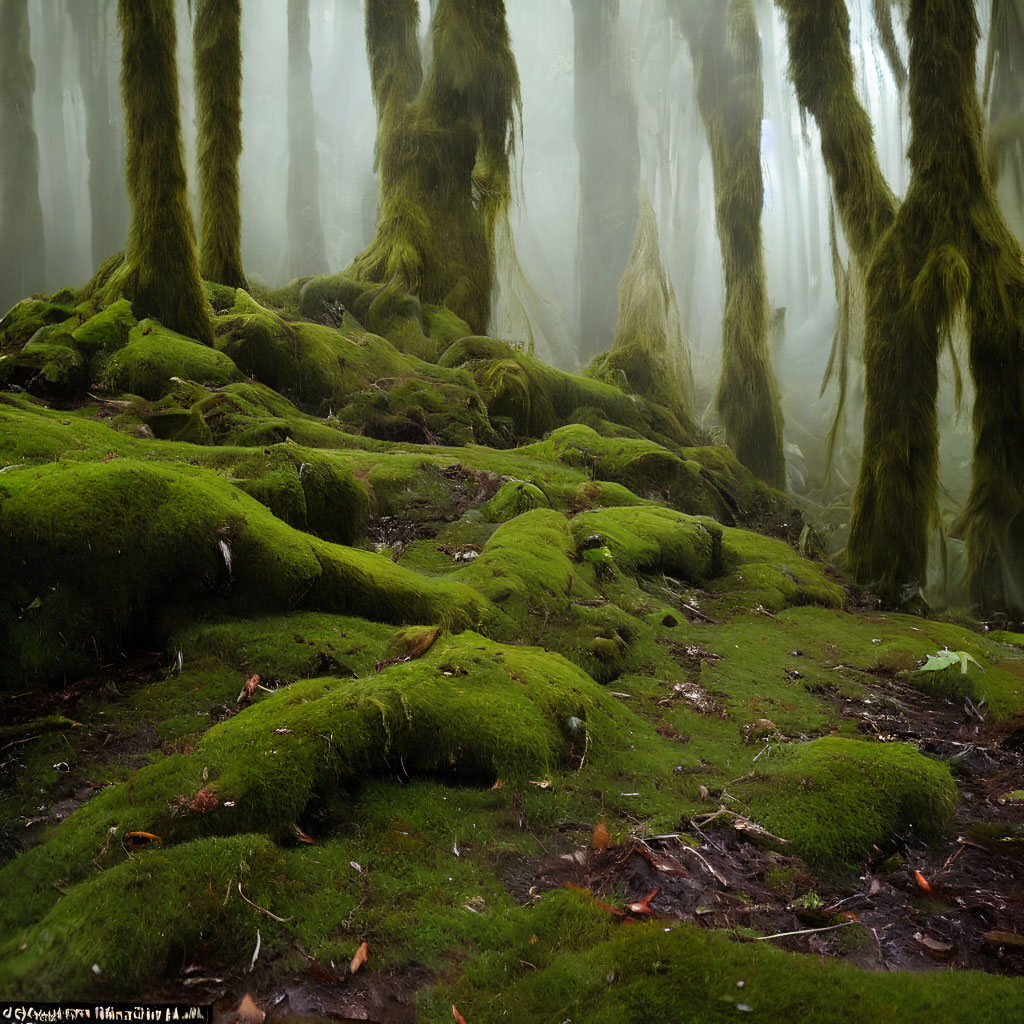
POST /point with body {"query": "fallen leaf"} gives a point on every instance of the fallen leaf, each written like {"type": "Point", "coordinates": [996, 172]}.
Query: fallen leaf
{"type": "Point", "coordinates": [360, 958]}
{"type": "Point", "coordinates": [303, 837]}
{"type": "Point", "coordinates": [459, 1019]}
{"type": "Point", "coordinates": [354, 864]}
{"type": "Point", "coordinates": [248, 689]}
{"type": "Point", "coordinates": [601, 838]}
{"type": "Point", "coordinates": [498, 785]}
{"type": "Point", "coordinates": [248, 1012]}
{"type": "Point", "coordinates": [140, 840]}
{"type": "Point", "coordinates": [643, 906]}
{"type": "Point", "coordinates": [933, 945]}
{"type": "Point", "coordinates": [542, 784]}
{"type": "Point", "coordinates": [533, 940]}
{"type": "Point", "coordinates": [922, 882]}
{"type": "Point", "coordinates": [851, 916]}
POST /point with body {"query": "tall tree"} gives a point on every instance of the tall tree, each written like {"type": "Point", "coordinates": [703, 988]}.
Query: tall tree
{"type": "Point", "coordinates": [605, 120]}
{"type": "Point", "coordinates": [22, 249]}
{"type": "Point", "coordinates": [727, 59]}
{"type": "Point", "coordinates": [104, 140]}
{"type": "Point", "coordinates": [160, 272]}
{"type": "Point", "coordinates": [305, 253]}
{"type": "Point", "coordinates": [218, 75]}
{"type": "Point", "coordinates": [943, 257]}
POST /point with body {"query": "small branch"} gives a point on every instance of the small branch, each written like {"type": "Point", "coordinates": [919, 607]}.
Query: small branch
{"type": "Point", "coordinates": [804, 931]}
{"type": "Point", "coordinates": [283, 920]}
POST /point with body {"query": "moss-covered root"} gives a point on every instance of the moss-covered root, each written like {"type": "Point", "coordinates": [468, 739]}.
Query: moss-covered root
{"type": "Point", "coordinates": [836, 798]}
{"type": "Point", "coordinates": [467, 710]}
{"type": "Point", "coordinates": [587, 965]}
{"type": "Point", "coordinates": [649, 350]}
{"type": "Point", "coordinates": [128, 919]}
{"type": "Point", "coordinates": [218, 74]}
{"type": "Point", "coordinates": [160, 273]}
{"type": "Point", "coordinates": [729, 95]}
{"type": "Point", "coordinates": [183, 538]}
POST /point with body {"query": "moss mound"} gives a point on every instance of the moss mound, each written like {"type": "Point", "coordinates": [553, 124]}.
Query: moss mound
{"type": "Point", "coordinates": [184, 538]}
{"type": "Point", "coordinates": [835, 798]}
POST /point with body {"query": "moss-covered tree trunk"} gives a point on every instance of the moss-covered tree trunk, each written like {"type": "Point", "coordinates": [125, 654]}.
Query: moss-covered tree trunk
{"type": "Point", "coordinates": [218, 74]}
{"type": "Point", "coordinates": [443, 151]}
{"type": "Point", "coordinates": [22, 248]}
{"type": "Point", "coordinates": [305, 253]}
{"type": "Point", "coordinates": [160, 272]}
{"type": "Point", "coordinates": [605, 122]}
{"type": "Point", "coordinates": [727, 57]}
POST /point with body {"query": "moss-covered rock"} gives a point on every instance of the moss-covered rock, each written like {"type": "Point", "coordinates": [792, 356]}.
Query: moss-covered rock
{"type": "Point", "coordinates": [514, 497]}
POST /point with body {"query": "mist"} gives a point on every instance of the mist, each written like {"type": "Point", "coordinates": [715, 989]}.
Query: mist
{"type": "Point", "coordinates": [609, 115]}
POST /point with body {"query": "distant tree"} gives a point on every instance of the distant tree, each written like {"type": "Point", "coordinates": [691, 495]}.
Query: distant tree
{"type": "Point", "coordinates": [605, 121]}
{"type": "Point", "coordinates": [217, 42]}
{"type": "Point", "coordinates": [726, 52]}
{"type": "Point", "coordinates": [941, 258]}
{"type": "Point", "coordinates": [94, 29]}
{"type": "Point", "coordinates": [22, 248]}
{"type": "Point", "coordinates": [443, 151]}
{"type": "Point", "coordinates": [160, 272]}
{"type": "Point", "coordinates": [305, 252]}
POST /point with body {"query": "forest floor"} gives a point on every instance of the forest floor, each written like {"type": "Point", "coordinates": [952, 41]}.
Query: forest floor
{"type": "Point", "coordinates": [371, 676]}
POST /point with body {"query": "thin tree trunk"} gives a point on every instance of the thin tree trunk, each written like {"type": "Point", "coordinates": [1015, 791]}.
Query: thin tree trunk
{"type": "Point", "coordinates": [22, 247]}
{"type": "Point", "coordinates": [305, 253]}
{"type": "Point", "coordinates": [606, 136]}
{"type": "Point", "coordinates": [160, 273]}
{"type": "Point", "coordinates": [218, 78]}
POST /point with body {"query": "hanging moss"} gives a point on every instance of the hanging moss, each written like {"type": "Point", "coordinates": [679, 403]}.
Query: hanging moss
{"type": "Point", "coordinates": [160, 272]}
{"type": "Point", "coordinates": [218, 72]}
{"type": "Point", "coordinates": [443, 158]}
{"type": "Point", "coordinates": [729, 94]}
{"type": "Point", "coordinates": [649, 351]}
{"type": "Point", "coordinates": [22, 255]}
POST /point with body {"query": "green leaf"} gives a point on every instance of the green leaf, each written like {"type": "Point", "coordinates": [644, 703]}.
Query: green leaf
{"type": "Point", "coordinates": [947, 659]}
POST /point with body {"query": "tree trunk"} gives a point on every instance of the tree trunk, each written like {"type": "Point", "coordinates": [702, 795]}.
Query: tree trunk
{"type": "Point", "coordinates": [22, 248]}
{"type": "Point", "coordinates": [727, 58]}
{"type": "Point", "coordinates": [104, 142]}
{"type": "Point", "coordinates": [160, 273]}
{"type": "Point", "coordinates": [443, 157]}
{"type": "Point", "coordinates": [306, 253]}
{"type": "Point", "coordinates": [218, 76]}
{"type": "Point", "coordinates": [605, 116]}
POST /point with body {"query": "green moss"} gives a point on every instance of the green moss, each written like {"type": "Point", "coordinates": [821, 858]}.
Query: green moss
{"type": "Point", "coordinates": [514, 498]}
{"type": "Point", "coordinates": [106, 331]}
{"type": "Point", "coordinates": [157, 903]}
{"type": "Point", "coordinates": [836, 798]}
{"type": "Point", "coordinates": [585, 967]}
{"type": "Point", "coordinates": [155, 354]}
{"type": "Point", "coordinates": [184, 537]}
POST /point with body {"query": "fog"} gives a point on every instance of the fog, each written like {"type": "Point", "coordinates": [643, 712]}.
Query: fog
{"type": "Point", "coordinates": [546, 281]}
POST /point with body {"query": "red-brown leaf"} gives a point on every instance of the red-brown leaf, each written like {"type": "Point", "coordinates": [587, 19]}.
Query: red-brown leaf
{"type": "Point", "coordinates": [248, 689]}
{"type": "Point", "coordinates": [643, 907]}
{"type": "Point", "coordinates": [360, 958]}
{"type": "Point", "coordinates": [459, 1019]}
{"type": "Point", "coordinates": [601, 838]}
